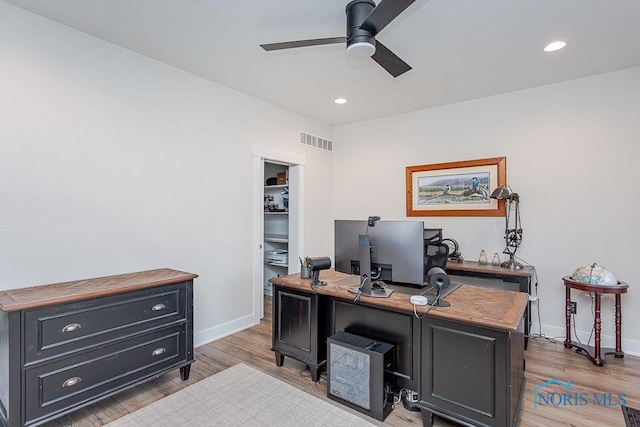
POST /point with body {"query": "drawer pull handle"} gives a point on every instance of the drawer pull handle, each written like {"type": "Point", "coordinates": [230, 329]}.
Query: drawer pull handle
{"type": "Point", "coordinates": [158, 351]}
{"type": "Point", "coordinates": [71, 327]}
{"type": "Point", "coordinates": [71, 382]}
{"type": "Point", "coordinates": [158, 307]}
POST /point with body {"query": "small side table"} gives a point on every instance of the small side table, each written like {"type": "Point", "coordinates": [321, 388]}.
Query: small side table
{"type": "Point", "coordinates": [595, 353]}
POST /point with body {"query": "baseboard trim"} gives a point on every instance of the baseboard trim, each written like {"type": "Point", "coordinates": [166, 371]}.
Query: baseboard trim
{"type": "Point", "coordinates": [221, 331]}
{"type": "Point", "coordinates": [630, 347]}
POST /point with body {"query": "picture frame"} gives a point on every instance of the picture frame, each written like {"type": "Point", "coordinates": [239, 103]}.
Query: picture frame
{"type": "Point", "coordinates": [456, 188]}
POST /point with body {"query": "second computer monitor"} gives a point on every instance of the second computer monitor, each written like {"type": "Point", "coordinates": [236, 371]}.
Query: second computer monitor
{"type": "Point", "coordinates": [397, 249]}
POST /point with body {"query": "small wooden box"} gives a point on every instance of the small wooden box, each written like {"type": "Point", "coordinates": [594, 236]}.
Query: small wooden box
{"type": "Point", "coordinates": [282, 178]}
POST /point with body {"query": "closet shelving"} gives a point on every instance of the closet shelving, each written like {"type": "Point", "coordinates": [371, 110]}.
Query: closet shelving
{"type": "Point", "coordinates": [276, 225]}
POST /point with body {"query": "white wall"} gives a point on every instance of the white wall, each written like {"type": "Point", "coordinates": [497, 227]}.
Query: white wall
{"type": "Point", "coordinates": [572, 154]}
{"type": "Point", "coordinates": [111, 162]}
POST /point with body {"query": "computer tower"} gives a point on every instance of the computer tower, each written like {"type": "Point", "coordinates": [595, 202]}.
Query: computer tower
{"type": "Point", "coordinates": [360, 373]}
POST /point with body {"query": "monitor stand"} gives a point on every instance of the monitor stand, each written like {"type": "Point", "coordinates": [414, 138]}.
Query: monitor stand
{"type": "Point", "coordinates": [366, 288]}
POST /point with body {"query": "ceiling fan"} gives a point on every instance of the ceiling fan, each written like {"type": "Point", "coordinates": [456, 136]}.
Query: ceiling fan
{"type": "Point", "coordinates": [364, 21]}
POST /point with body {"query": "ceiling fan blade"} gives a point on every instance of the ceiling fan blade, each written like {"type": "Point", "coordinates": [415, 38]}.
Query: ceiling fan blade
{"type": "Point", "coordinates": [383, 14]}
{"type": "Point", "coordinates": [389, 60]}
{"type": "Point", "coordinates": [303, 43]}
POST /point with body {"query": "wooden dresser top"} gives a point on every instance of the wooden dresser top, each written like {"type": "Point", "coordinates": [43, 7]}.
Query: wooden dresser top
{"type": "Point", "coordinates": [494, 308]}
{"type": "Point", "coordinates": [496, 270]}
{"type": "Point", "coordinates": [58, 293]}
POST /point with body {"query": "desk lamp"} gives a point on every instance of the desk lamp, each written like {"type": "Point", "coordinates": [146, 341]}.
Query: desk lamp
{"type": "Point", "coordinates": [315, 265]}
{"type": "Point", "coordinates": [513, 236]}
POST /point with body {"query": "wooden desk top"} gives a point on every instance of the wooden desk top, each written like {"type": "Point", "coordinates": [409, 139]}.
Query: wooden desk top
{"type": "Point", "coordinates": [476, 267]}
{"type": "Point", "coordinates": [495, 308]}
{"type": "Point", "coordinates": [57, 293]}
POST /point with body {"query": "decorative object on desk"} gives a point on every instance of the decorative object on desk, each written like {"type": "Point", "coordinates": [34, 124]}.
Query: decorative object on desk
{"type": "Point", "coordinates": [483, 258]}
{"type": "Point", "coordinates": [513, 234]}
{"type": "Point", "coordinates": [315, 265]}
{"type": "Point", "coordinates": [305, 270]}
{"type": "Point", "coordinates": [496, 259]}
{"type": "Point", "coordinates": [439, 280]}
{"type": "Point", "coordinates": [454, 250]}
{"type": "Point", "coordinates": [456, 188]}
{"type": "Point", "coordinates": [594, 275]}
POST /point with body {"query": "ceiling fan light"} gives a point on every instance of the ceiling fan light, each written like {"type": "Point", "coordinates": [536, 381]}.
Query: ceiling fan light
{"type": "Point", "coordinates": [361, 50]}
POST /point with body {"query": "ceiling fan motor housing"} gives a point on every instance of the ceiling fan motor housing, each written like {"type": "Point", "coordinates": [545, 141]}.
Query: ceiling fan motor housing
{"type": "Point", "coordinates": [365, 20]}
{"type": "Point", "coordinates": [359, 40]}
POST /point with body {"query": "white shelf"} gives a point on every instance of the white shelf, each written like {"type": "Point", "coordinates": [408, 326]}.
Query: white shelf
{"type": "Point", "coordinates": [275, 223]}
{"type": "Point", "coordinates": [277, 264]}
{"type": "Point", "coordinates": [268, 289]}
{"type": "Point", "coordinates": [276, 238]}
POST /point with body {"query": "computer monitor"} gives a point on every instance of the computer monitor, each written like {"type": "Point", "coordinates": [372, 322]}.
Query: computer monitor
{"type": "Point", "coordinates": [397, 249]}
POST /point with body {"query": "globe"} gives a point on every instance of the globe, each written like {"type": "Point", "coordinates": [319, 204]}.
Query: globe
{"type": "Point", "coordinates": [594, 274]}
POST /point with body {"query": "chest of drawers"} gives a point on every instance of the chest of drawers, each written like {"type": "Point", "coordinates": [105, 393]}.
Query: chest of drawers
{"type": "Point", "coordinates": [67, 345]}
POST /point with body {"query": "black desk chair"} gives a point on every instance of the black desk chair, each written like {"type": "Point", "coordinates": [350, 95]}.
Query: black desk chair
{"type": "Point", "coordinates": [436, 255]}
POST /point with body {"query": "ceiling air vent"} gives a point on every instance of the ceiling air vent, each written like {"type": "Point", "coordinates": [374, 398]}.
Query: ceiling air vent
{"type": "Point", "coordinates": [316, 142]}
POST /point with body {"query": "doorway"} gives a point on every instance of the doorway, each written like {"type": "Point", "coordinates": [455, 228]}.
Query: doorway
{"type": "Point", "coordinates": [290, 232]}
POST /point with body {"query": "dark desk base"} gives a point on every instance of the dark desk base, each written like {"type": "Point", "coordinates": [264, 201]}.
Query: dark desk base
{"type": "Point", "coordinates": [469, 373]}
{"type": "Point", "coordinates": [314, 368]}
{"type": "Point", "coordinates": [505, 278]}
{"type": "Point", "coordinates": [427, 415]}
{"type": "Point", "coordinates": [299, 328]}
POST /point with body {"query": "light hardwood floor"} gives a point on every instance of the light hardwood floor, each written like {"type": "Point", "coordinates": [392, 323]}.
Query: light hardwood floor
{"type": "Point", "coordinates": [544, 360]}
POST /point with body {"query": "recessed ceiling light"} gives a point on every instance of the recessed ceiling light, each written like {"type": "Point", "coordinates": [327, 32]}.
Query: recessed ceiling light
{"type": "Point", "coordinates": [340, 101]}
{"type": "Point", "coordinates": [557, 45]}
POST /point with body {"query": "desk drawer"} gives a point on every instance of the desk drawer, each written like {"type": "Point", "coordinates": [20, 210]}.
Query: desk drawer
{"type": "Point", "coordinates": [70, 382]}
{"type": "Point", "coordinates": [58, 330]}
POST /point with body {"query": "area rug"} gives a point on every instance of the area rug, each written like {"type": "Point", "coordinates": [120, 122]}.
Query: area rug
{"type": "Point", "coordinates": [239, 396]}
